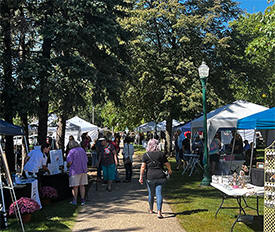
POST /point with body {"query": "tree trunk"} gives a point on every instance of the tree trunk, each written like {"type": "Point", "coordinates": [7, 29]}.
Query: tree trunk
{"type": "Point", "coordinates": [44, 91]}
{"type": "Point", "coordinates": [60, 134]}
{"type": "Point", "coordinates": [8, 87]}
{"type": "Point", "coordinates": [24, 121]}
{"type": "Point", "coordinates": [168, 134]}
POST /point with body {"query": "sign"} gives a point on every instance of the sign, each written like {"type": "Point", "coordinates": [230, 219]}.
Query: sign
{"type": "Point", "coordinates": [56, 157]}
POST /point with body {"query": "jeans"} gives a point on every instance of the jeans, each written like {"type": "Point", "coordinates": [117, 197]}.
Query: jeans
{"type": "Point", "coordinates": [128, 168]}
{"type": "Point", "coordinates": [177, 156]}
{"type": "Point", "coordinates": [99, 168]}
{"type": "Point", "coordinates": [155, 188]}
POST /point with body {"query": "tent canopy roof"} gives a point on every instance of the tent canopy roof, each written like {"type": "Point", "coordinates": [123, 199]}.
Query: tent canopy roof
{"type": "Point", "coordinates": [226, 117]}
{"type": "Point", "coordinates": [262, 121]}
{"type": "Point", "coordinates": [10, 129]}
{"type": "Point", "coordinates": [151, 126]}
{"type": "Point", "coordinates": [82, 124]}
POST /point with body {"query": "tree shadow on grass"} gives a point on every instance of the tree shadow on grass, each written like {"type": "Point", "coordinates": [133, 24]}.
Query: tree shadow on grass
{"type": "Point", "coordinates": [257, 223]}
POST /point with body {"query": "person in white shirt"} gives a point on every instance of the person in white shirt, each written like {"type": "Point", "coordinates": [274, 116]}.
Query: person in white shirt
{"type": "Point", "coordinates": [128, 152]}
{"type": "Point", "coordinates": [37, 159]}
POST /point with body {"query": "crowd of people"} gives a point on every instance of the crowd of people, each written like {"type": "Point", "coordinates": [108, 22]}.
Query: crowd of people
{"type": "Point", "coordinates": [107, 150]}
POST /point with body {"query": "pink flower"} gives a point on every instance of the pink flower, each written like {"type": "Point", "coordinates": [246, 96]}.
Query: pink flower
{"type": "Point", "coordinates": [48, 192]}
{"type": "Point", "coordinates": [25, 205]}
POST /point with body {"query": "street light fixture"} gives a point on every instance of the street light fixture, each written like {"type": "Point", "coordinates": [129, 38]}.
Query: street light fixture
{"type": "Point", "coordinates": [203, 73]}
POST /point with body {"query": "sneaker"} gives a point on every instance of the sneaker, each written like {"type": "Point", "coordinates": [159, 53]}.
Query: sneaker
{"type": "Point", "coordinates": [83, 202]}
{"type": "Point", "coordinates": [73, 202]}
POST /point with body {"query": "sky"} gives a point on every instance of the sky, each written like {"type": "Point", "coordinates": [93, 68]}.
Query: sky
{"type": "Point", "coordinates": [253, 6]}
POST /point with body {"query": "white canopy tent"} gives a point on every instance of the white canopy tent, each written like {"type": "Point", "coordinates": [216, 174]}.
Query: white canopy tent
{"type": "Point", "coordinates": [149, 126]}
{"type": "Point", "coordinates": [77, 126]}
{"type": "Point", "coordinates": [162, 125]}
{"type": "Point", "coordinates": [152, 126]}
{"type": "Point", "coordinates": [225, 117]}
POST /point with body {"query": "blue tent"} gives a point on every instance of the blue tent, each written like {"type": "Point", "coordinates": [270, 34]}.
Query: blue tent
{"type": "Point", "coordinates": [10, 129]}
{"type": "Point", "coordinates": [264, 120]}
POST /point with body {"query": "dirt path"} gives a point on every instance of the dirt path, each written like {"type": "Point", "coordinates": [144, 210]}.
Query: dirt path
{"type": "Point", "coordinates": [123, 209]}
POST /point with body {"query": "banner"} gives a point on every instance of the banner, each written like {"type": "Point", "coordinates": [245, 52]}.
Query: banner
{"type": "Point", "coordinates": [35, 193]}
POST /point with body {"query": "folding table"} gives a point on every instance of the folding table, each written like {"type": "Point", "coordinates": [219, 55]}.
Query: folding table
{"type": "Point", "coordinates": [239, 194]}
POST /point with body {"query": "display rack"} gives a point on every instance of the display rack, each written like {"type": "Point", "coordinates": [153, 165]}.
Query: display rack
{"type": "Point", "coordinates": [269, 197]}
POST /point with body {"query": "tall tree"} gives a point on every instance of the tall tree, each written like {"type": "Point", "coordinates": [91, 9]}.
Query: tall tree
{"type": "Point", "coordinates": [93, 62]}
{"type": "Point", "coordinates": [8, 93]}
{"type": "Point", "coordinates": [249, 60]}
{"type": "Point", "coordinates": [173, 37]}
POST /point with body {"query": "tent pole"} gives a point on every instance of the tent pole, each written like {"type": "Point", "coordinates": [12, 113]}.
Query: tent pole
{"type": "Point", "coordinates": [23, 159]}
{"type": "Point", "coordinates": [233, 147]}
{"type": "Point", "coordinates": [252, 151]}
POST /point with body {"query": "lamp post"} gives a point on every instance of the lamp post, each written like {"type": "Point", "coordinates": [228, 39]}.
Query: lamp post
{"type": "Point", "coordinates": [203, 73]}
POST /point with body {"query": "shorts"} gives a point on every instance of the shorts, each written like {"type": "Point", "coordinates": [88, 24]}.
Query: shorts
{"type": "Point", "coordinates": [79, 179]}
{"type": "Point", "coordinates": [109, 172]}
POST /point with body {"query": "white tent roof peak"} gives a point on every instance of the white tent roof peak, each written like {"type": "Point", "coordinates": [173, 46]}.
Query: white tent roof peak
{"type": "Point", "coordinates": [84, 125]}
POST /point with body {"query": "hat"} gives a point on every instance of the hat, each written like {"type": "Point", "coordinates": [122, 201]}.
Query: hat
{"type": "Point", "coordinates": [101, 139]}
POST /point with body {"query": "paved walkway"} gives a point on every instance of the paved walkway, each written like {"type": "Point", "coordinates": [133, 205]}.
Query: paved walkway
{"type": "Point", "coordinates": [123, 209]}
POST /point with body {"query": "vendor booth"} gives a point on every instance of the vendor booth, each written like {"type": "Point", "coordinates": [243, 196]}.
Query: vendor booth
{"type": "Point", "coordinates": [225, 117]}
{"type": "Point", "coordinates": [241, 186]}
{"type": "Point", "coordinates": [6, 182]}
{"type": "Point", "coordinates": [77, 126]}
{"type": "Point", "coordinates": [265, 120]}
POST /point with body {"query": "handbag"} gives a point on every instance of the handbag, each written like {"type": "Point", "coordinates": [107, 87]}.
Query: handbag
{"type": "Point", "coordinates": [157, 163]}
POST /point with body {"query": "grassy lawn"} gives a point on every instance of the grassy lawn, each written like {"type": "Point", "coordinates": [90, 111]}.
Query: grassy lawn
{"type": "Point", "coordinates": [195, 206]}
{"type": "Point", "coordinates": [57, 217]}
{"type": "Point", "coordinates": [139, 149]}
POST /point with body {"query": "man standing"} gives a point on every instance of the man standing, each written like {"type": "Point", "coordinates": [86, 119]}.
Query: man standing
{"type": "Point", "coordinates": [77, 162]}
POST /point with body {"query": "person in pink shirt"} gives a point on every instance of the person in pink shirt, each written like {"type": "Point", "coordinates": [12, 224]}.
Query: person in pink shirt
{"type": "Point", "coordinates": [77, 162]}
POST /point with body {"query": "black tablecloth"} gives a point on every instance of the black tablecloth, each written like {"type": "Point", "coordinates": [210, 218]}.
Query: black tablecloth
{"type": "Point", "coordinates": [60, 182]}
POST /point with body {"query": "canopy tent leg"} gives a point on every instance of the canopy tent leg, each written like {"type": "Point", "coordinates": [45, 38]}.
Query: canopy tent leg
{"type": "Point", "coordinates": [23, 158]}
{"type": "Point", "coordinates": [252, 151]}
{"type": "Point", "coordinates": [232, 151]}
{"type": "Point", "coordinates": [10, 187]}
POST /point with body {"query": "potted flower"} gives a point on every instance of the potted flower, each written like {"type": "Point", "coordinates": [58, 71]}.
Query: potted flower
{"type": "Point", "coordinates": [26, 206]}
{"type": "Point", "coordinates": [47, 193]}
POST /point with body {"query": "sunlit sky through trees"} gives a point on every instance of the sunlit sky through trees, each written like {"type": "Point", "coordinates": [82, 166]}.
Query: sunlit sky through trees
{"type": "Point", "coordinates": [253, 6]}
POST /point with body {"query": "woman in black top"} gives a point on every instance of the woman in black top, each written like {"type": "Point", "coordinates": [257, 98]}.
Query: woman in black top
{"type": "Point", "coordinates": [153, 162]}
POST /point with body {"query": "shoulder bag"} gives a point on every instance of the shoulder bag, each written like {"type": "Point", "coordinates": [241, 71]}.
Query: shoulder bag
{"type": "Point", "coordinates": [158, 164]}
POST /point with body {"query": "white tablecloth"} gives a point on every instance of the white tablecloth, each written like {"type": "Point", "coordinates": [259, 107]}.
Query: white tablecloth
{"type": "Point", "coordinates": [250, 190]}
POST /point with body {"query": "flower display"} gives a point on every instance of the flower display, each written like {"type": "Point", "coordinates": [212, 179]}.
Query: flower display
{"type": "Point", "coordinates": [26, 205]}
{"type": "Point", "coordinates": [48, 192]}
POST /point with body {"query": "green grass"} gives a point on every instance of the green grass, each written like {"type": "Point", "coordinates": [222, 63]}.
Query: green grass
{"type": "Point", "coordinates": [195, 206]}
{"type": "Point", "coordinates": [57, 217]}
{"type": "Point", "coordinates": [139, 150]}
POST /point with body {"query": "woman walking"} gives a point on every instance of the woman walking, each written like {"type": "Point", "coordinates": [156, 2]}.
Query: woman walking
{"type": "Point", "coordinates": [109, 162]}
{"type": "Point", "coordinates": [152, 165]}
